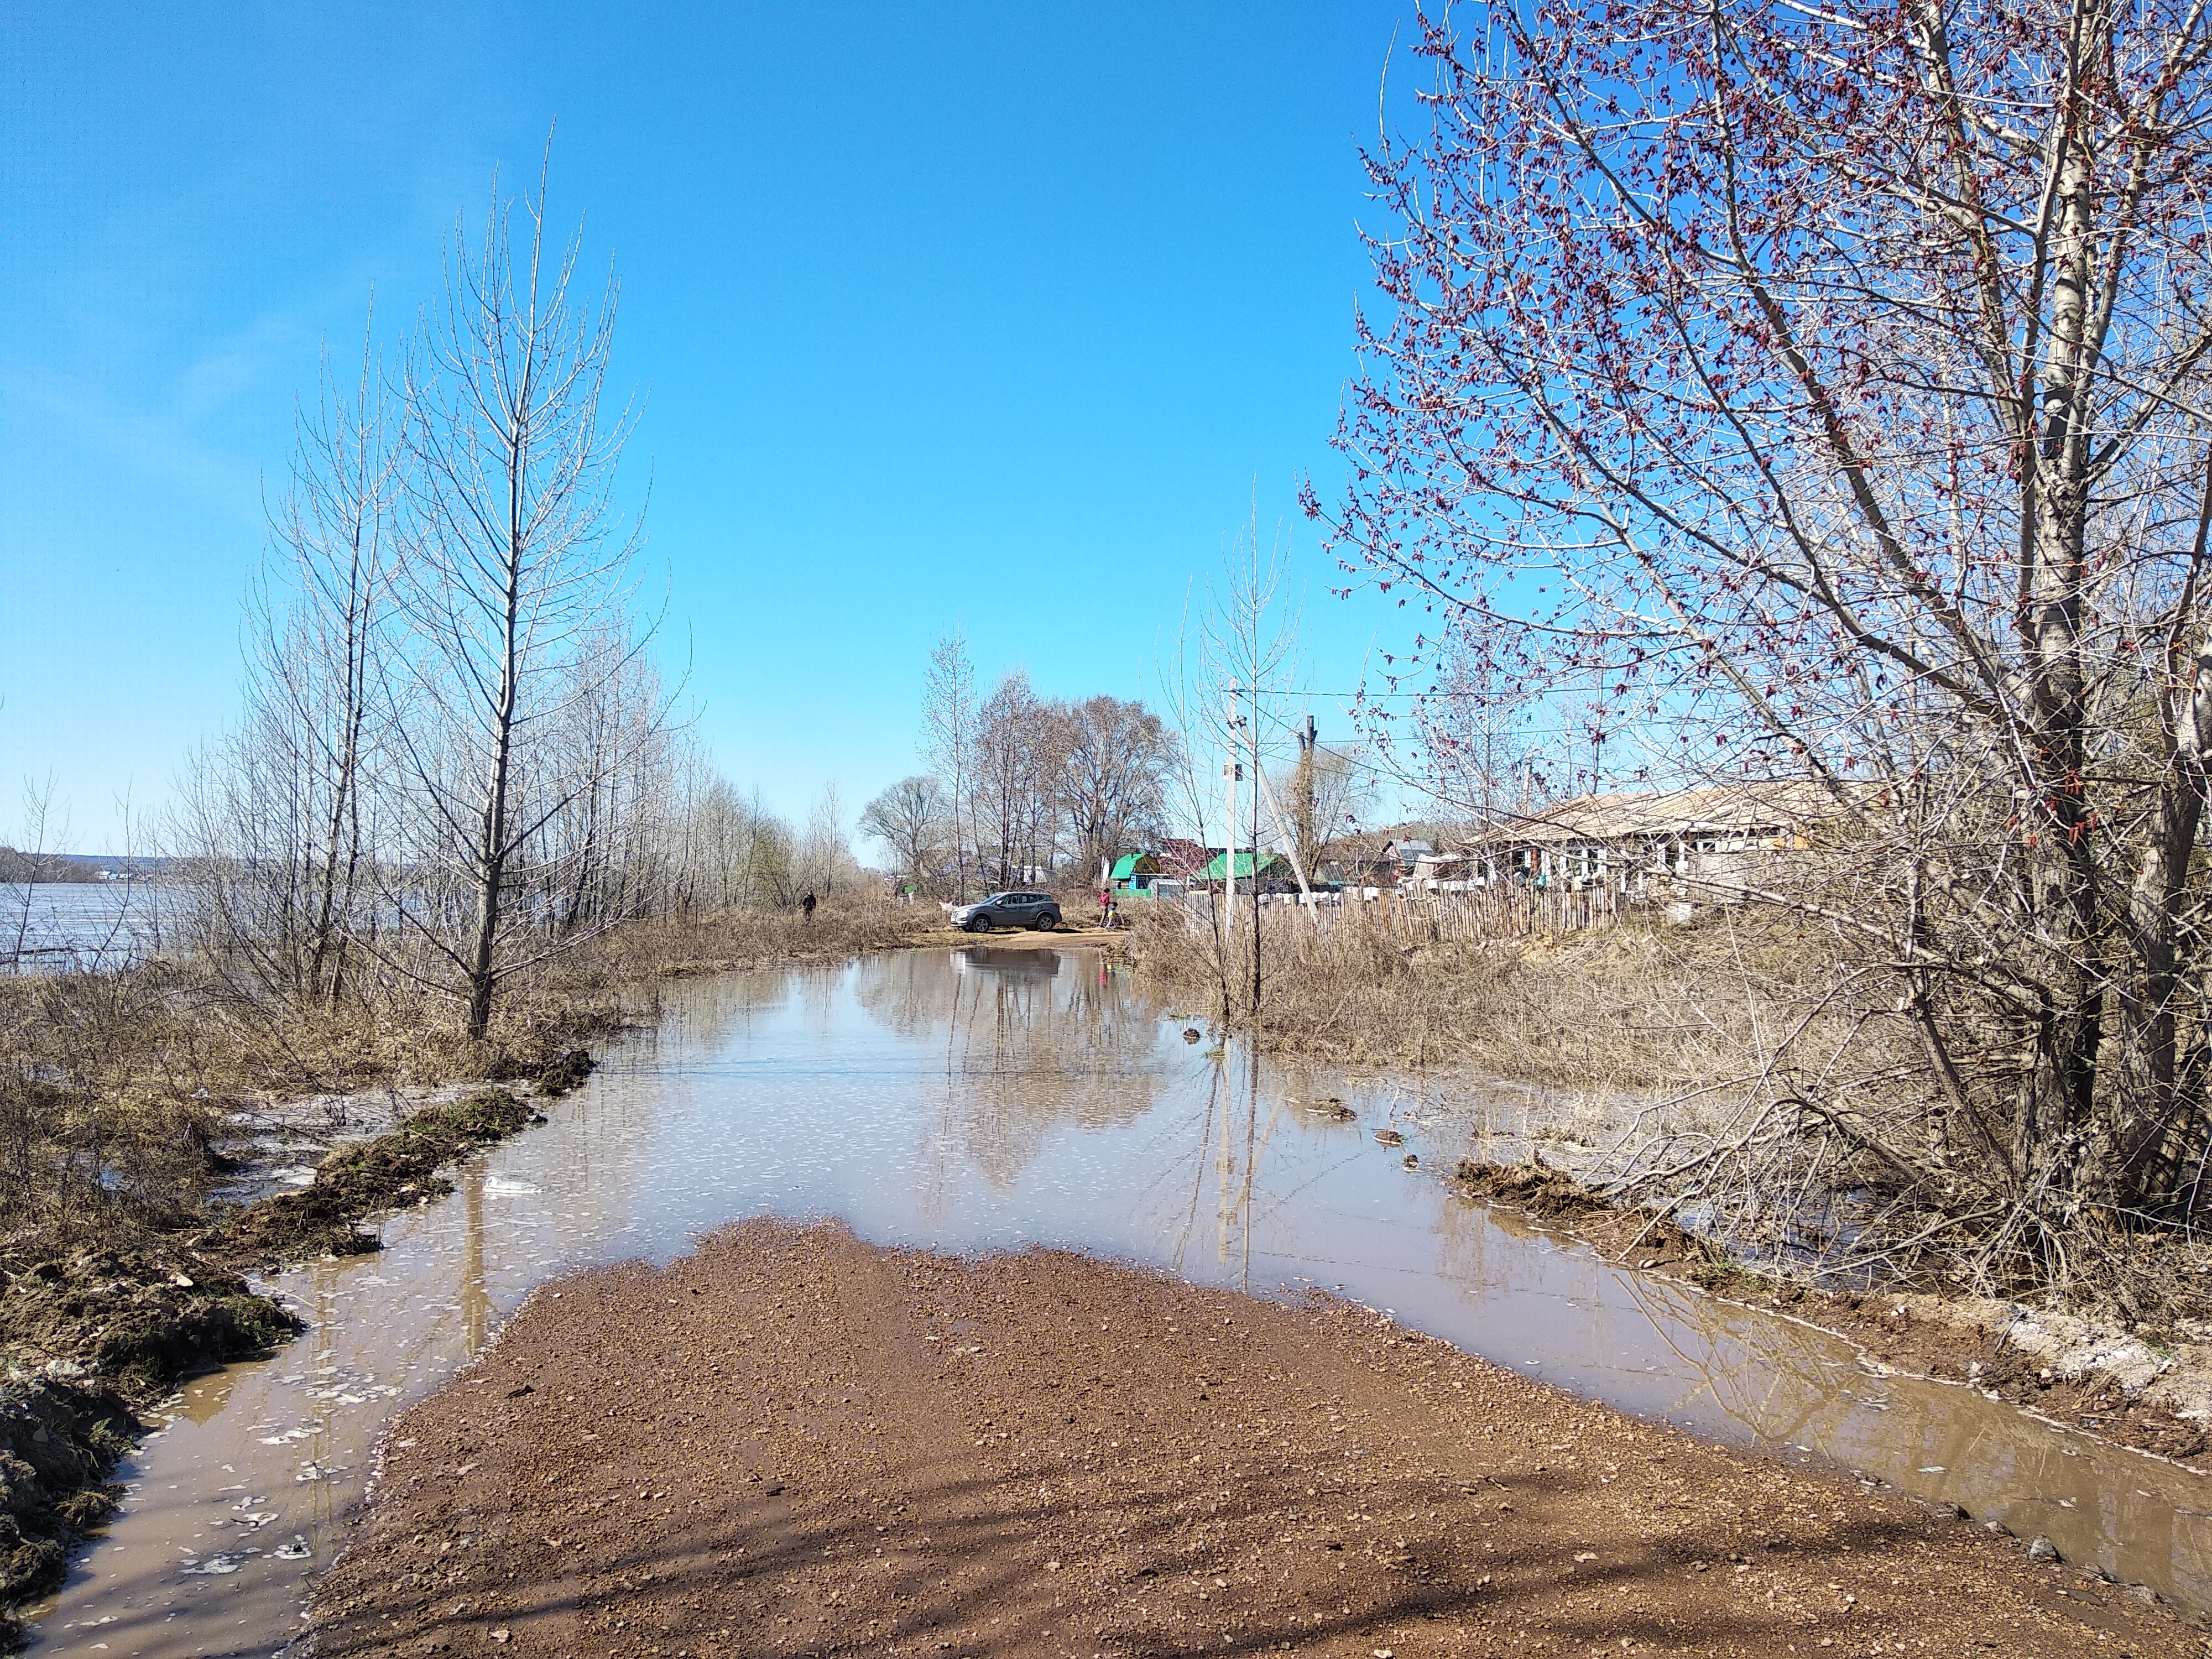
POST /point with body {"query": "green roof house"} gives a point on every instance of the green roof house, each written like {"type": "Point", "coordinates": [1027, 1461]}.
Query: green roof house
{"type": "Point", "coordinates": [1134, 870]}
{"type": "Point", "coordinates": [1273, 867]}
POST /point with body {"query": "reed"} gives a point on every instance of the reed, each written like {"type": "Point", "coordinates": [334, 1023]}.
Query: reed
{"type": "Point", "coordinates": [1634, 1006]}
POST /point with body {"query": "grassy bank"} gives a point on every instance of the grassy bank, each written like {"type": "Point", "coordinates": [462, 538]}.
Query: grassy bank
{"type": "Point", "coordinates": [2108, 1384]}
{"type": "Point", "coordinates": [122, 1272]}
{"type": "Point", "coordinates": [1661, 1064]}
{"type": "Point", "coordinates": [1641, 1008]}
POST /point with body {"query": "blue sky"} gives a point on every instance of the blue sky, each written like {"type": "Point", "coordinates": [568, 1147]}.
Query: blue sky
{"type": "Point", "coordinates": [994, 316]}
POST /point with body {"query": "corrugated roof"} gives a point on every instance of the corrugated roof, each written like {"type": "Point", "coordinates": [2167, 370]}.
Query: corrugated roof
{"type": "Point", "coordinates": [1130, 864]}
{"type": "Point", "coordinates": [1268, 863]}
{"type": "Point", "coordinates": [1185, 858]}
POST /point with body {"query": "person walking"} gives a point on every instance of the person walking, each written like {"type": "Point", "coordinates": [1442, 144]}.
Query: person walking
{"type": "Point", "coordinates": [806, 904]}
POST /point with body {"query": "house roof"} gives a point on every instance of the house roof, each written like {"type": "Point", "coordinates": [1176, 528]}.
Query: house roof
{"type": "Point", "coordinates": [1269, 862]}
{"type": "Point", "coordinates": [1184, 858]}
{"type": "Point", "coordinates": [1625, 815]}
{"type": "Point", "coordinates": [1134, 864]}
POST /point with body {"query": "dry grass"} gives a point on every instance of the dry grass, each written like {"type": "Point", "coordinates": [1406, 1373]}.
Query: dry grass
{"type": "Point", "coordinates": [1669, 1059]}
{"type": "Point", "coordinates": [1635, 1009]}
{"type": "Point", "coordinates": [673, 948]}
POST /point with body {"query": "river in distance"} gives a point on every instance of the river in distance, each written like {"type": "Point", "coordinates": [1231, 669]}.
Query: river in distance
{"type": "Point", "coordinates": [50, 926]}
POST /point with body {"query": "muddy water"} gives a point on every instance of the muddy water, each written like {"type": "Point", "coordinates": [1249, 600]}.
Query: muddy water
{"type": "Point", "coordinates": [996, 1099]}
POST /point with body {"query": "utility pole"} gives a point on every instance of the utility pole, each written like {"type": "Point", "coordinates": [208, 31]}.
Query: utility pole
{"type": "Point", "coordinates": [1252, 732]}
{"type": "Point", "coordinates": [1289, 831]}
{"type": "Point", "coordinates": [1231, 772]}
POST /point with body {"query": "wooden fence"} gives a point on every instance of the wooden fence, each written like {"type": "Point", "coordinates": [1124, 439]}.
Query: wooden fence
{"type": "Point", "coordinates": [1479, 913]}
{"type": "Point", "coordinates": [1502, 912]}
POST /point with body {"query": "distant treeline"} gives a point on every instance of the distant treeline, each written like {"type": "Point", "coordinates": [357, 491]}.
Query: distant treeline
{"type": "Point", "coordinates": [19, 867]}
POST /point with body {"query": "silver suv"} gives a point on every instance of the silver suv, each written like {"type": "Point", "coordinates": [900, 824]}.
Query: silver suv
{"type": "Point", "coordinates": [1039, 910]}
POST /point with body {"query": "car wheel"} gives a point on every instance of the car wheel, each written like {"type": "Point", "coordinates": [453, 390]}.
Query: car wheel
{"type": "Point", "coordinates": [1045, 922]}
{"type": "Point", "coordinates": [974, 925]}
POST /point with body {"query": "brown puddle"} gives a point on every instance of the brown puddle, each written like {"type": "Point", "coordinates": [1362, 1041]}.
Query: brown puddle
{"type": "Point", "coordinates": [987, 1099]}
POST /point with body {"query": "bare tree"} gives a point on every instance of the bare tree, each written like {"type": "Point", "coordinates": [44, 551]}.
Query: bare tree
{"type": "Point", "coordinates": [336, 522]}
{"type": "Point", "coordinates": [770, 852]}
{"type": "Point", "coordinates": [1250, 642]}
{"type": "Point", "coordinates": [1477, 742]}
{"type": "Point", "coordinates": [608, 757]}
{"type": "Point", "coordinates": [31, 864]}
{"type": "Point", "coordinates": [908, 819]}
{"type": "Point", "coordinates": [1228, 703]}
{"type": "Point", "coordinates": [825, 851]}
{"type": "Point", "coordinates": [1113, 776]}
{"type": "Point", "coordinates": [1043, 817]}
{"type": "Point", "coordinates": [274, 817]}
{"type": "Point", "coordinates": [1321, 799]}
{"type": "Point", "coordinates": [948, 716]}
{"type": "Point", "coordinates": [717, 849]}
{"type": "Point", "coordinates": [1010, 773]}
{"type": "Point", "coordinates": [1192, 795]}
{"type": "Point", "coordinates": [729, 852]}
{"type": "Point", "coordinates": [518, 586]}
{"type": "Point", "coordinates": [1834, 384]}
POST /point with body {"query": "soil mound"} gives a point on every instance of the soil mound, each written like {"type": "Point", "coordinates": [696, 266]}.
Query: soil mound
{"type": "Point", "coordinates": [87, 1334]}
{"type": "Point", "coordinates": [391, 1171]}
{"type": "Point", "coordinates": [92, 1334]}
{"type": "Point", "coordinates": [1540, 1190]}
{"type": "Point", "coordinates": [565, 1072]}
{"type": "Point", "coordinates": [136, 1319]}
{"type": "Point", "coordinates": [57, 1444]}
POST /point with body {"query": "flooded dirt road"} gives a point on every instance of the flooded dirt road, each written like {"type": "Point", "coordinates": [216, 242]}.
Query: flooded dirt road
{"type": "Point", "coordinates": [988, 1098]}
{"type": "Point", "coordinates": [790, 1443]}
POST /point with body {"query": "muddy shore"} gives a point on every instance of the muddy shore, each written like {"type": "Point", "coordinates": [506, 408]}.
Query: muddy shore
{"type": "Point", "coordinates": [792, 1443]}
{"type": "Point", "coordinates": [89, 1340]}
{"type": "Point", "coordinates": [2096, 1380]}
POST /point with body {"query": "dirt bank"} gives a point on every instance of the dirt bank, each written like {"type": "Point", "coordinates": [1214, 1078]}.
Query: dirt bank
{"type": "Point", "coordinates": [791, 1444]}
{"type": "Point", "coordinates": [91, 1338]}
{"type": "Point", "coordinates": [393, 1170]}
{"type": "Point", "coordinates": [1025, 938]}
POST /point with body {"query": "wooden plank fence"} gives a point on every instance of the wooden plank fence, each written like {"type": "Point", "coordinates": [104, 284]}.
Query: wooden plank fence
{"type": "Point", "coordinates": [1502, 912]}
{"type": "Point", "coordinates": [1481, 913]}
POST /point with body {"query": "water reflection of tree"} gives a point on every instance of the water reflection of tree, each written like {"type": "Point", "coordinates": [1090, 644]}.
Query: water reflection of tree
{"type": "Point", "coordinates": [1034, 1041]}
{"type": "Point", "coordinates": [1233, 1138]}
{"type": "Point", "coordinates": [701, 1015]}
